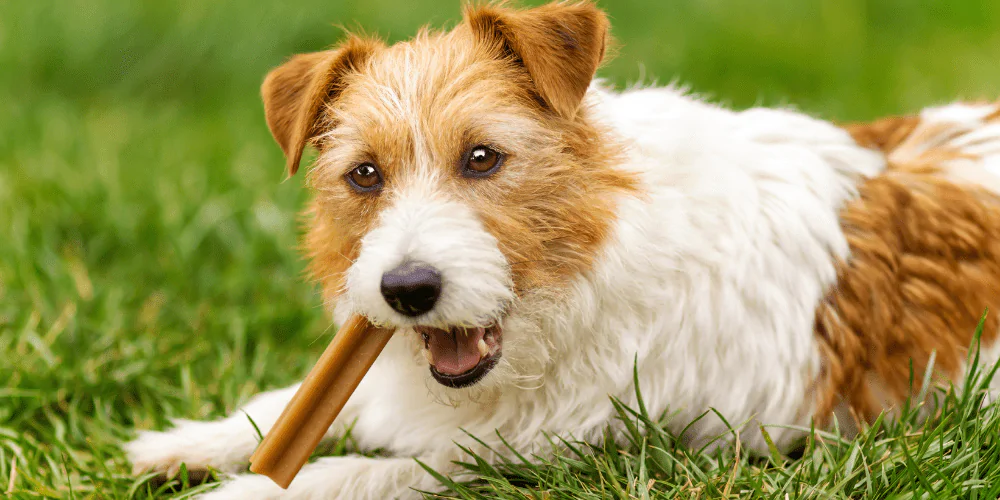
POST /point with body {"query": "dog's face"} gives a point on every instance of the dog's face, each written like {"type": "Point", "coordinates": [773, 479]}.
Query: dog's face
{"type": "Point", "coordinates": [458, 180]}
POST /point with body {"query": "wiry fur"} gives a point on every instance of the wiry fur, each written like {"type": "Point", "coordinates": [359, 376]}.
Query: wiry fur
{"type": "Point", "coordinates": [644, 229]}
{"type": "Point", "coordinates": [925, 261]}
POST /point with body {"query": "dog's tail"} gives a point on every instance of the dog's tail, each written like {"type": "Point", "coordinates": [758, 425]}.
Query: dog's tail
{"type": "Point", "coordinates": [960, 141]}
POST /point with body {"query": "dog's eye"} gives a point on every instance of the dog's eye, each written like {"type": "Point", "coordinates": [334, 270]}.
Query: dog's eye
{"type": "Point", "coordinates": [365, 178]}
{"type": "Point", "coordinates": [481, 162]}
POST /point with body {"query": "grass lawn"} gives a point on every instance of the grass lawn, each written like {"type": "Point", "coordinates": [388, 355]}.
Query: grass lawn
{"type": "Point", "coordinates": [148, 267]}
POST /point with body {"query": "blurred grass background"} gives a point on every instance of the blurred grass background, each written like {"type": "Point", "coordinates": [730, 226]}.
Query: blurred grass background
{"type": "Point", "coordinates": [147, 244]}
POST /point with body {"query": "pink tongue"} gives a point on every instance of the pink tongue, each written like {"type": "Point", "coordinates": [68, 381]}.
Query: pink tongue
{"type": "Point", "coordinates": [455, 352]}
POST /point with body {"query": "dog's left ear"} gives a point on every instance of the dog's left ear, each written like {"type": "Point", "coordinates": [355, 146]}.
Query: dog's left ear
{"type": "Point", "coordinates": [560, 44]}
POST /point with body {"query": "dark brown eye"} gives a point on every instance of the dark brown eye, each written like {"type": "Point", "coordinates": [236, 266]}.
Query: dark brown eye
{"type": "Point", "coordinates": [481, 162]}
{"type": "Point", "coordinates": [365, 178]}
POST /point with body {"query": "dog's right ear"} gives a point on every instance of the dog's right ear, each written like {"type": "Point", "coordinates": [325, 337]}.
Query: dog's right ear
{"type": "Point", "coordinates": [295, 92]}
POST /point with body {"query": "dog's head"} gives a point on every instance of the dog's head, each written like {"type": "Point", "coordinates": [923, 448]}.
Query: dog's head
{"type": "Point", "coordinates": [459, 184]}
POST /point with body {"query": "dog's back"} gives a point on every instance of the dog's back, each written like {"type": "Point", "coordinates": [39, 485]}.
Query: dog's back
{"type": "Point", "coordinates": [925, 258]}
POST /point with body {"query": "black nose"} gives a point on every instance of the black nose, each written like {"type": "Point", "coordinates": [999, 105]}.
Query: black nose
{"type": "Point", "coordinates": [411, 288]}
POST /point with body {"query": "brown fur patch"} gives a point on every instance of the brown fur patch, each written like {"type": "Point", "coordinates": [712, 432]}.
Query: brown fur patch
{"type": "Point", "coordinates": [905, 141]}
{"type": "Point", "coordinates": [885, 134]}
{"type": "Point", "coordinates": [415, 108]}
{"type": "Point", "coordinates": [914, 145]}
{"type": "Point", "coordinates": [995, 115]}
{"type": "Point", "coordinates": [552, 224]}
{"type": "Point", "coordinates": [925, 263]}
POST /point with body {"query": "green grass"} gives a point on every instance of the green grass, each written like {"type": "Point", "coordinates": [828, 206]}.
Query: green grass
{"type": "Point", "coordinates": [147, 244]}
{"type": "Point", "coordinates": [955, 455]}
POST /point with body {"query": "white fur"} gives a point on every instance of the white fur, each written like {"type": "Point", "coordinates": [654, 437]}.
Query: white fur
{"type": "Point", "coordinates": [709, 283]}
{"type": "Point", "coordinates": [961, 128]}
{"type": "Point", "coordinates": [964, 128]}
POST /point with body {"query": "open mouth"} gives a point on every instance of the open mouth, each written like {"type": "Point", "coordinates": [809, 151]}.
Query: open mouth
{"type": "Point", "coordinates": [460, 357]}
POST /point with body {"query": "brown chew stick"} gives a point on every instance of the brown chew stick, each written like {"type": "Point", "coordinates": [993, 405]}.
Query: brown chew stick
{"type": "Point", "coordinates": [322, 395]}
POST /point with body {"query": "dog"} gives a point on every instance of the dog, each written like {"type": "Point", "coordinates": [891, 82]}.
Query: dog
{"type": "Point", "coordinates": [541, 242]}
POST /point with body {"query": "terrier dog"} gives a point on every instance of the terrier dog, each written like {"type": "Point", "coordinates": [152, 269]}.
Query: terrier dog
{"type": "Point", "coordinates": [533, 237]}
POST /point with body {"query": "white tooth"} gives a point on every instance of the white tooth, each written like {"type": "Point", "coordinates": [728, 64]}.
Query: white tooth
{"type": "Point", "coordinates": [483, 350]}
{"type": "Point", "coordinates": [428, 357]}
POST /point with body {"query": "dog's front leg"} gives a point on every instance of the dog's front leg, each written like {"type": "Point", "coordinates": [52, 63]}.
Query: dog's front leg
{"type": "Point", "coordinates": [351, 477]}
{"type": "Point", "coordinates": [225, 444]}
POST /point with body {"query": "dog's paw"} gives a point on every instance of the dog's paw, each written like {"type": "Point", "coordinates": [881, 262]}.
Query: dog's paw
{"type": "Point", "coordinates": [334, 478]}
{"type": "Point", "coordinates": [200, 446]}
{"type": "Point", "coordinates": [246, 487]}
